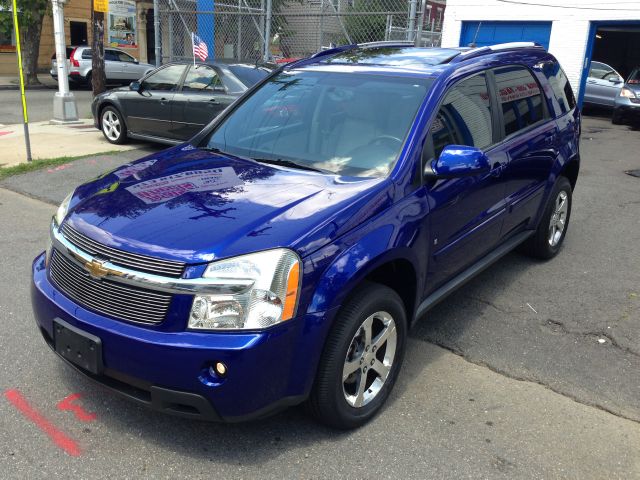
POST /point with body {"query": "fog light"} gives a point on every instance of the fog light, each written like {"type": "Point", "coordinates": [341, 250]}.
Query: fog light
{"type": "Point", "coordinates": [219, 369]}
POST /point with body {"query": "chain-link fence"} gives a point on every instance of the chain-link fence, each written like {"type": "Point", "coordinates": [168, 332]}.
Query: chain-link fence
{"type": "Point", "coordinates": [252, 30]}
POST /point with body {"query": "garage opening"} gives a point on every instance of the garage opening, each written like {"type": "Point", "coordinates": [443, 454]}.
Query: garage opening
{"type": "Point", "coordinates": [614, 55]}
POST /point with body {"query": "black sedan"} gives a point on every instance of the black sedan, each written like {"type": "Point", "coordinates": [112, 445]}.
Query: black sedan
{"type": "Point", "coordinates": [174, 102]}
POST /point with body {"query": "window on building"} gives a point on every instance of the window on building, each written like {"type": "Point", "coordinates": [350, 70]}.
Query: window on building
{"type": "Point", "coordinates": [464, 117]}
{"type": "Point", "coordinates": [520, 98]}
{"type": "Point", "coordinates": [7, 38]}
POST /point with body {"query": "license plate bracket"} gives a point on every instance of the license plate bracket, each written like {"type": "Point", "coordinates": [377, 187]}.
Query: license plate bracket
{"type": "Point", "coordinates": [77, 346]}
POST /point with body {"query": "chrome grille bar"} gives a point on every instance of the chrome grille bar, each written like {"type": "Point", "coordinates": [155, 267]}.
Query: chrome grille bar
{"type": "Point", "coordinates": [135, 261]}
{"type": "Point", "coordinates": [106, 297]}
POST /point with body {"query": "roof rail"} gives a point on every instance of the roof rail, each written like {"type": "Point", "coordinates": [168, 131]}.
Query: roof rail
{"type": "Point", "coordinates": [386, 43]}
{"type": "Point", "coordinates": [499, 47]}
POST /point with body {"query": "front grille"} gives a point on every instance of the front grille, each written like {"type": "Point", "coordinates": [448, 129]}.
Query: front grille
{"type": "Point", "coordinates": [142, 263]}
{"type": "Point", "coordinates": [107, 297]}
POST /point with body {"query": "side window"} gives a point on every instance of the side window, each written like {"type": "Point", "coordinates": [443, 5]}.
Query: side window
{"type": "Point", "coordinates": [124, 57]}
{"type": "Point", "coordinates": [519, 97]}
{"type": "Point", "coordinates": [560, 86]}
{"type": "Point", "coordinates": [201, 79]}
{"type": "Point", "coordinates": [165, 79]}
{"type": "Point", "coordinates": [464, 117]}
{"type": "Point", "coordinates": [600, 70]}
{"type": "Point", "coordinates": [86, 54]}
{"type": "Point", "coordinates": [110, 55]}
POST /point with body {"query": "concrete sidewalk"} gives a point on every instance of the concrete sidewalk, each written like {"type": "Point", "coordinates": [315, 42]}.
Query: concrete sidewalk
{"type": "Point", "coordinates": [12, 82]}
{"type": "Point", "coordinates": [52, 141]}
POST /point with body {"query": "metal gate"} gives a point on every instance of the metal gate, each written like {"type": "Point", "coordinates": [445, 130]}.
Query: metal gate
{"type": "Point", "coordinates": [251, 30]}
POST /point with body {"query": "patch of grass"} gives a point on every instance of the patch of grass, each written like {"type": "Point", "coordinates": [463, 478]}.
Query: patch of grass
{"type": "Point", "coordinates": [49, 162]}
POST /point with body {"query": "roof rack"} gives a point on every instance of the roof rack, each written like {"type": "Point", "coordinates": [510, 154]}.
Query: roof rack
{"type": "Point", "coordinates": [499, 47]}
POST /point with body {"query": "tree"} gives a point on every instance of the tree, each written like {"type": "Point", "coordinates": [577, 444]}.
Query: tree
{"type": "Point", "coordinates": [30, 16]}
{"type": "Point", "coordinates": [98, 78]}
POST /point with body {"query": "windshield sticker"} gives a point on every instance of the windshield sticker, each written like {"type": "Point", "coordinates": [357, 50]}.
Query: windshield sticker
{"type": "Point", "coordinates": [130, 170]}
{"type": "Point", "coordinates": [172, 186]}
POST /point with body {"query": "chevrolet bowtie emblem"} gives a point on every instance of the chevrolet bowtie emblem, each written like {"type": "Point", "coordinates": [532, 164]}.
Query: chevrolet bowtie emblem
{"type": "Point", "coordinates": [96, 268]}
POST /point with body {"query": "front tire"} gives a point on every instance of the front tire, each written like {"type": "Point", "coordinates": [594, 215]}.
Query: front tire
{"type": "Point", "coordinates": [548, 238]}
{"type": "Point", "coordinates": [113, 126]}
{"type": "Point", "coordinates": [361, 358]}
{"type": "Point", "coordinates": [616, 118]}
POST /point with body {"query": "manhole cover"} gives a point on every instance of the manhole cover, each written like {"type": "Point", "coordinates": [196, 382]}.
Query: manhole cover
{"type": "Point", "coordinates": [633, 173]}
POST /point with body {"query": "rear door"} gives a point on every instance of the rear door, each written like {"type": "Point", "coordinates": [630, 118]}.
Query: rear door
{"type": "Point", "coordinates": [112, 66]}
{"type": "Point", "coordinates": [466, 213]}
{"type": "Point", "coordinates": [531, 140]}
{"type": "Point", "coordinates": [149, 112]}
{"type": "Point", "coordinates": [603, 84]}
{"type": "Point", "coordinates": [201, 98]}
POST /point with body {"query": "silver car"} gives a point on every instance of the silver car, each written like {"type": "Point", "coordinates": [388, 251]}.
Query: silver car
{"type": "Point", "coordinates": [603, 85]}
{"type": "Point", "coordinates": [627, 102]}
{"type": "Point", "coordinates": [119, 66]}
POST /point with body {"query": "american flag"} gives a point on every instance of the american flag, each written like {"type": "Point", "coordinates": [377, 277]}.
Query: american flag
{"type": "Point", "coordinates": [200, 50]}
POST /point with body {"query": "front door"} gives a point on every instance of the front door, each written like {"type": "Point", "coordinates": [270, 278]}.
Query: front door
{"type": "Point", "coordinates": [603, 85]}
{"type": "Point", "coordinates": [149, 112]}
{"type": "Point", "coordinates": [78, 33]}
{"type": "Point", "coordinates": [201, 98]}
{"type": "Point", "coordinates": [466, 213]}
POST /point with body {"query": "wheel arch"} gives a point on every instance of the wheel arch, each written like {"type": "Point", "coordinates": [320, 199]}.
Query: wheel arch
{"type": "Point", "coordinates": [109, 103]}
{"type": "Point", "coordinates": [570, 170]}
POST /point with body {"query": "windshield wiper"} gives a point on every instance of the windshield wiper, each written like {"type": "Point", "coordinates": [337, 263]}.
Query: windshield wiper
{"type": "Point", "coordinates": [273, 161]}
{"type": "Point", "coordinates": [288, 163]}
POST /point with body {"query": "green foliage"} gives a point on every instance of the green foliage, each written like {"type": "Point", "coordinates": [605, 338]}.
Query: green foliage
{"type": "Point", "coordinates": [49, 162]}
{"type": "Point", "coordinates": [29, 12]}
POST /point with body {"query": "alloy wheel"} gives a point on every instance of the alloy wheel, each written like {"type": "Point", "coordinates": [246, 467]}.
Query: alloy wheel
{"type": "Point", "coordinates": [369, 359]}
{"type": "Point", "coordinates": [558, 218]}
{"type": "Point", "coordinates": [111, 125]}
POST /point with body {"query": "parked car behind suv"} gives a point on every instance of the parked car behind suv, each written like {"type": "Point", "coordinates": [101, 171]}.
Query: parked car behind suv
{"type": "Point", "coordinates": [119, 66]}
{"type": "Point", "coordinates": [627, 101]}
{"type": "Point", "coordinates": [282, 254]}
{"type": "Point", "coordinates": [174, 102]}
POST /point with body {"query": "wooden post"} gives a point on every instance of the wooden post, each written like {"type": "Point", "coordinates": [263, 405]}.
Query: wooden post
{"type": "Point", "coordinates": [98, 78]}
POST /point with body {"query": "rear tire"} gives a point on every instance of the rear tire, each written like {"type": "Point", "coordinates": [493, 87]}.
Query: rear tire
{"type": "Point", "coordinates": [616, 118]}
{"type": "Point", "coordinates": [362, 356]}
{"type": "Point", "coordinates": [112, 125]}
{"type": "Point", "coordinates": [548, 238]}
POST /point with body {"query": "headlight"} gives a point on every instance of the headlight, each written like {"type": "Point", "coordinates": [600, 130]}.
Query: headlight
{"type": "Point", "coordinates": [267, 285]}
{"type": "Point", "coordinates": [63, 209]}
{"type": "Point", "coordinates": [627, 93]}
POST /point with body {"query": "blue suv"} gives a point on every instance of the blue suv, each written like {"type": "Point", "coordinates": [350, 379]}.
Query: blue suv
{"type": "Point", "coordinates": [281, 255]}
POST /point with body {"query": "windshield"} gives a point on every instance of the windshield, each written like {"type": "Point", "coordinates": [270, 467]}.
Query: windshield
{"type": "Point", "coordinates": [349, 124]}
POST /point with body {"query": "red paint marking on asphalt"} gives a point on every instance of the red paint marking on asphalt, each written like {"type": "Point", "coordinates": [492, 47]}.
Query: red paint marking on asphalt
{"type": "Point", "coordinates": [5, 133]}
{"type": "Point", "coordinates": [58, 437]}
{"type": "Point", "coordinates": [59, 167]}
{"type": "Point", "coordinates": [80, 413]}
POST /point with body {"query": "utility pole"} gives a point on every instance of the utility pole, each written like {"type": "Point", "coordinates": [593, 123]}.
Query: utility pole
{"type": "Point", "coordinates": [65, 109]}
{"type": "Point", "coordinates": [156, 33]}
{"type": "Point", "coordinates": [98, 78]}
{"type": "Point", "coordinates": [267, 33]}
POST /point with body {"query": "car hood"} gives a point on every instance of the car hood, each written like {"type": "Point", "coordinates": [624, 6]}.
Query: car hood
{"type": "Point", "coordinates": [194, 206]}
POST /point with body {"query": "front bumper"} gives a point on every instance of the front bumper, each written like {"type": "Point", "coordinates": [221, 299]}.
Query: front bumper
{"type": "Point", "coordinates": [169, 371]}
{"type": "Point", "coordinates": [627, 108]}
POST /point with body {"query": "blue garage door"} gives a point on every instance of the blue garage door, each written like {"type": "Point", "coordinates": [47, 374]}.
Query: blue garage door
{"type": "Point", "coordinates": [489, 33]}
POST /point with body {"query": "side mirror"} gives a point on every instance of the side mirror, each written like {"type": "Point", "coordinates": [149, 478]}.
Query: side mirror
{"type": "Point", "coordinates": [219, 88]}
{"type": "Point", "coordinates": [135, 86]}
{"type": "Point", "coordinates": [458, 161]}
{"type": "Point", "coordinates": [615, 80]}
{"type": "Point", "coordinates": [136, 61]}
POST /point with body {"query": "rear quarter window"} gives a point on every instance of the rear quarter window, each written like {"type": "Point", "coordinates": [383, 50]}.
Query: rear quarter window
{"type": "Point", "coordinates": [560, 85]}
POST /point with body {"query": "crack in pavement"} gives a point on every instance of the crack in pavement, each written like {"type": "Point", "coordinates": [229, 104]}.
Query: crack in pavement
{"type": "Point", "coordinates": [535, 380]}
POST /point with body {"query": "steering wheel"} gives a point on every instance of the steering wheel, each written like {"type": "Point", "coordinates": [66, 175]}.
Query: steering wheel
{"type": "Point", "coordinates": [385, 139]}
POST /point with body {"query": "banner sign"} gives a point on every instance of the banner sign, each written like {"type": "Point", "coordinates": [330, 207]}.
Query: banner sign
{"type": "Point", "coordinates": [172, 186]}
{"type": "Point", "coordinates": [122, 24]}
{"type": "Point", "coordinates": [101, 6]}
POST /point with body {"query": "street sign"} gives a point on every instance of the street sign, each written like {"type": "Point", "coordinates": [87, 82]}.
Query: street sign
{"type": "Point", "coordinates": [101, 6]}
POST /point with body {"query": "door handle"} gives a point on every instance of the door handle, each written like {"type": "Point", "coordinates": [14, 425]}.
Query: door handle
{"type": "Point", "coordinates": [213, 101]}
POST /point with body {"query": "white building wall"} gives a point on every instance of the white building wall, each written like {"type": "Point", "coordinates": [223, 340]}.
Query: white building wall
{"type": "Point", "coordinates": [569, 30]}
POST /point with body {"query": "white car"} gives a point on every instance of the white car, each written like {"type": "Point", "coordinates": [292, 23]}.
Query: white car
{"type": "Point", "coordinates": [119, 66]}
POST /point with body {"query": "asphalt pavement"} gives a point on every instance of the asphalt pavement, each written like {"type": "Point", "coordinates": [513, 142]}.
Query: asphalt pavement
{"type": "Point", "coordinates": [530, 371]}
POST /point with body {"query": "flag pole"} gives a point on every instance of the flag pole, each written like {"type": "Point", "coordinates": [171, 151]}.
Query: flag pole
{"type": "Point", "coordinates": [193, 48]}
